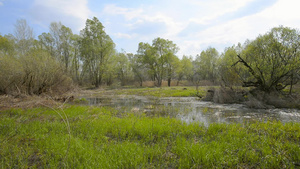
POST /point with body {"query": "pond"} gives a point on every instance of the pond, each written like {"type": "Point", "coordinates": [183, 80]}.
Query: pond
{"type": "Point", "coordinates": [190, 109]}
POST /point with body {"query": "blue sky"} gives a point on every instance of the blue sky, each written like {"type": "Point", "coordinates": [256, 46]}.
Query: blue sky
{"type": "Point", "coordinates": [193, 25]}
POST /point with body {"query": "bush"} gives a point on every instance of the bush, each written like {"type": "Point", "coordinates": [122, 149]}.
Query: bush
{"type": "Point", "coordinates": [11, 73]}
{"type": "Point", "coordinates": [34, 73]}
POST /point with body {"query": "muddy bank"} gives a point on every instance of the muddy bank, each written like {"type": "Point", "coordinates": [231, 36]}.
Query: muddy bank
{"type": "Point", "coordinates": [253, 98]}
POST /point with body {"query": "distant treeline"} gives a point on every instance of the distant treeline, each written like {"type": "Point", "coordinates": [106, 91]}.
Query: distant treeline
{"type": "Point", "coordinates": [59, 59]}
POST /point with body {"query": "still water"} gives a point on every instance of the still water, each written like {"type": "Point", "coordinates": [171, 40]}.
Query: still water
{"type": "Point", "coordinates": [190, 109]}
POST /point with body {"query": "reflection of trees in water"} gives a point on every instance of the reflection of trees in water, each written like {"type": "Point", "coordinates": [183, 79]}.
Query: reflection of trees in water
{"type": "Point", "coordinates": [192, 110]}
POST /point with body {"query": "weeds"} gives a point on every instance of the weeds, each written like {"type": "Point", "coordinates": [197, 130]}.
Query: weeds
{"type": "Point", "coordinates": [101, 138]}
{"type": "Point", "coordinates": [164, 91]}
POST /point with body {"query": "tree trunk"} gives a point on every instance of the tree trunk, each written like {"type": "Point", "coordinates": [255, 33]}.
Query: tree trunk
{"type": "Point", "coordinates": [169, 82]}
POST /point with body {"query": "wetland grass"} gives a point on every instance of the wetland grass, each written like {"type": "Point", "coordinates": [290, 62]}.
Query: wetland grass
{"type": "Point", "coordinates": [95, 137]}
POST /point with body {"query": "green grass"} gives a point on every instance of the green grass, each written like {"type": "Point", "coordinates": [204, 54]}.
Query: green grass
{"type": "Point", "coordinates": [164, 91]}
{"type": "Point", "coordinates": [89, 137]}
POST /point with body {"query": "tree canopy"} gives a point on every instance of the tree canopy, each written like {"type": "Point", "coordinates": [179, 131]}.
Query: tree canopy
{"type": "Point", "coordinates": [273, 59]}
{"type": "Point", "coordinates": [270, 62]}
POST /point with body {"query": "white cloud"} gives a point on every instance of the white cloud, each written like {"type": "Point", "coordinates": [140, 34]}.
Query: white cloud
{"type": "Point", "coordinates": [73, 13]}
{"type": "Point", "coordinates": [222, 35]}
{"type": "Point", "coordinates": [123, 35]}
{"type": "Point", "coordinates": [1, 3]}
{"type": "Point", "coordinates": [195, 25]}
{"type": "Point", "coordinates": [128, 13]}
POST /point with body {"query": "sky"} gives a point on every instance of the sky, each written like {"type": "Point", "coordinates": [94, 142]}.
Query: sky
{"type": "Point", "coordinates": [194, 25]}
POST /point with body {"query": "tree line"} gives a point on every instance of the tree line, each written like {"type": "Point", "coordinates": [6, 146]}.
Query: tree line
{"type": "Point", "coordinates": [57, 59]}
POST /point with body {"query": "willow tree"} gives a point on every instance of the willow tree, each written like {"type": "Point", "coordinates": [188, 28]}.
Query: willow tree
{"type": "Point", "coordinates": [160, 59]}
{"type": "Point", "coordinates": [96, 47]}
{"type": "Point", "coordinates": [273, 59]}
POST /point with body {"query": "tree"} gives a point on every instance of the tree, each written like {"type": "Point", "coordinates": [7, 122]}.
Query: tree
{"type": "Point", "coordinates": [59, 43]}
{"type": "Point", "coordinates": [228, 74]}
{"type": "Point", "coordinates": [172, 63]}
{"type": "Point", "coordinates": [76, 61]}
{"type": "Point", "coordinates": [184, 69]}
{"type": "Point", "coordinates": [24, 36]}
{"type": "Point", "coordinates": [47, 43]}
{"type": "Point", "coordinates": [207, 62]}
{"type": "Point", "coordinates": [123, 68]}
{"type": "Point", "coordinates": [96, 48]}
{"type": "Point", "coordinates": [6, 45]}
{"type": "Point", "coordinates": [272, 59]}
{"type": "Point", "coordinates": [138, 68]}
{"type": "Point", "coordinates": [159, 58]}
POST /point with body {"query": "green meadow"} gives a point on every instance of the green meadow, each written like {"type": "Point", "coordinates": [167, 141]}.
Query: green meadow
{"type": "Point", "coordinates": [98, 137]}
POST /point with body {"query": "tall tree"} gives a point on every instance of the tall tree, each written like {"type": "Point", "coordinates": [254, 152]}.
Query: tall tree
{"type": "Point", "coordinates": [159, 58]}
{"type": "Point", "coordinates": [228, 74]}
{"type": "Point", "coordinates": [59, 43]}
{"type": "Point", "coordinates": [24, 36]}
{"type": "Point", "coordinates": [184, 69]}
{"type": "Point", "coordinates": [46, 41]}
{"type": "Point", "coordinates": [207, 62]}
{"type": "Point", "coordinates": [273, 59]}
{"type": "Point", "coordinates": [123, 68]}
{"type": "Point", "coordinates": [138, 68]}
{"type": "Point", "coordinates": [96, 48]}
{"type": "Point", "coordinates": [6, 45]}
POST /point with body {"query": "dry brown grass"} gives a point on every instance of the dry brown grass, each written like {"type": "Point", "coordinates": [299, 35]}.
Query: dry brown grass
{"type": "Point", "coordinates": [26, 102]}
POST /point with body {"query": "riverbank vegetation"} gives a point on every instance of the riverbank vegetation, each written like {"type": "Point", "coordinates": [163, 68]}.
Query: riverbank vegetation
{"type": "Point", "coordinates": [94, 137]}
{"type": "Point", "coordinates": [174, 91]}
{"type": "Point", "coordinates": [57, 60]}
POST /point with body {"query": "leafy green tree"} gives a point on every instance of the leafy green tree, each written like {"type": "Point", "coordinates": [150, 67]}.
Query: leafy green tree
{"type": "Point", "coordinates": [6, 46]}
{"type": "Point", "coordinates": [273, 59]}
{"type": "Point", "coordinates": [76, 61]}
{"type": "Point", "coordinates": [46, 42]}
{"type": "Point", "coordinates": [172, 64]}
{"type": "Point", "coordinates": [207, 62]}
{"type": "Point", "coordinates": [230, 75]}
{"type": "Point", "coordinates": [123, 68]}
{"type": "Point", "coordinates": [59, 44]}
{"type": "Point", "coordinates": [96, 48]}
{"type": "Point", "coordinates": [184, 69]}
{"type": "Point", "coordinates": [159, 58]}
{"type": "Point", "coordinates": [138, 68]}
{"type": "Point", "coordinates": [66, 46]}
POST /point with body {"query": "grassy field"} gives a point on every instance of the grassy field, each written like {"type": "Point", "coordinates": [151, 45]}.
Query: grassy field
{"type": "Point", "coordinates": [176, 91]}
{"type": "Point", "coordinates": [94, 137]}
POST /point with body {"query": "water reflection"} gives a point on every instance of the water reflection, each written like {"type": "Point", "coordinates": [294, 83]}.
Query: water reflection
{"type": "Point", "coordinates": [190, 109]}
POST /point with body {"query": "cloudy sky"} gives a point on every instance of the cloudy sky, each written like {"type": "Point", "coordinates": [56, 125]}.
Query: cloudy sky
{"type": "Point", "coordinates": [193, 25]}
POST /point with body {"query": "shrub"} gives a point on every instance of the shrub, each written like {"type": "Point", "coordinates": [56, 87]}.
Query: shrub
{"type": "Point", "coordinates": [34, 73]}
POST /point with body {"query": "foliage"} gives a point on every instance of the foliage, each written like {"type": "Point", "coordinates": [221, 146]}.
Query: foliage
{"type": "Point", "coordinates": [159, 58]}
{"type": "Point", "coordinates": [11, 70]}
{"type": "Point", "coordinates": [207, 64]}
{"type": "Point", "coordinates": [34, 73]}
{"type": "Point", "coordinates": [123, 68]}
{"type": "Point", "coordinates": [96, 48]}
{"type": "Point", "coordinates": [184, 69]}
{"type": "Point", "coordinates": [6, 45]}
{"type": "Point", "coordinates": [272, 59]}
{"type": "Point", "coordinates": [269, 63]}
{"type": "Point", "coordinates": [24, 36]}
{"type": "Point", "coordinates": [138, 68]}
{"type": "Point", "coordinates": [88, 137]}
{"type": "Point", "coordinates": [230, 75]}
